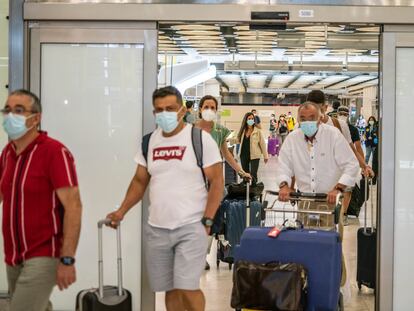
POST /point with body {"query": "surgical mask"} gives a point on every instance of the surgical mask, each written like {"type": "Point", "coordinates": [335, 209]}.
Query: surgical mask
{"type": "Point", "coordinates": [208, 115]}
{"type": "Point", "coordinates": [167, 120]}
{"type": "Point", "coordinates": [15, 125]}
{"type": "Point", "coordinates": [371, 122]}
{"type": "Point", "coordinates": [250, 122]}
{"type": "Point", "coordinates": [309, 128]}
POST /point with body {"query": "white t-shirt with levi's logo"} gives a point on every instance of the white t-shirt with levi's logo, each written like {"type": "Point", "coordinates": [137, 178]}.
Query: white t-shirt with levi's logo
{"type": "Point", "coordinates": [177, 191]}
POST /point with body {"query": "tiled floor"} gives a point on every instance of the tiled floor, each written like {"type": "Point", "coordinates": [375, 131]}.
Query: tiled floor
{"type": "Point", "coordinates": [217, 283]}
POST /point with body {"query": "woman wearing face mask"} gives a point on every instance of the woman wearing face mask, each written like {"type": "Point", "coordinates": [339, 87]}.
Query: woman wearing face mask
{"type": "Point", "coordinates": [371, 137]}
{"type": "Point", "coordinates": [282, 128]}
{"type": "Point", "coordinates": [208, 111]}
{"type": "Point", "coordinates": [272, 124]}
{"type": "Point", "coordinates": [253, 146]}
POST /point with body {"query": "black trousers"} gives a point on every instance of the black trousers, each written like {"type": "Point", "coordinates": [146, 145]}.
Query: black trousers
{"type": "Point", "coordinates": [250, 166]}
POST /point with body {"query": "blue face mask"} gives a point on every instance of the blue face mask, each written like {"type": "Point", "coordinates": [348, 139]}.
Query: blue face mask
{"type": "Point", "coordinates": [15, 125]}
{"type": "Point", "coordinates": [250, 122]}
{"type": "Point", "coordinates": [309, 128]}
{"type": "Point", "coordinates": [167, 120]}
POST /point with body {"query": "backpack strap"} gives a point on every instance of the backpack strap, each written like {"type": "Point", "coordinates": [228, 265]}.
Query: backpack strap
{"type": "Point", "coordinates": [145, 146]}
{"type": "Point", "coordinates": [336, 123]}
{"type": "Point", "coordinates": [197, 140]}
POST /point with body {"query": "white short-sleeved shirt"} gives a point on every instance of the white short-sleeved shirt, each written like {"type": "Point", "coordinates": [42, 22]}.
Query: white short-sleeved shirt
{"type": "Point", "coordinates": [177, 191]}
{"type": "Point", "coordinates": [344, 129]}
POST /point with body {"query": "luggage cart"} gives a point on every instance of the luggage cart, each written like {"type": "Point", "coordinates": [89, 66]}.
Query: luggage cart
{"type": "Point", "coordinates": [324, 282]}
{"type": "Point", "coordinates": [312, 215]}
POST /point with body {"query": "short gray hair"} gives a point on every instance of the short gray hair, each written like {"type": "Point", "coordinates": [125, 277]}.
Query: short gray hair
{"type": "Point", "coordinates": [307, 105]}
{"type": "Point", "coordinates": [36, 106]}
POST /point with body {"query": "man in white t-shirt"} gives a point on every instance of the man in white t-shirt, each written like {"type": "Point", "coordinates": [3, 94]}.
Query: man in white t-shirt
{"type": "Point", "coordinates": [181, 208]}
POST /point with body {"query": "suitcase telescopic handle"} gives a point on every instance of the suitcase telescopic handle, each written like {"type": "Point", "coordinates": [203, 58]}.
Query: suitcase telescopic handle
{"type": "Point", "coordinates": [101, 224]}
{"type": "Point", "coordinates": [247, 203]}
{"type": "Point", "coordinates": [368, 190]}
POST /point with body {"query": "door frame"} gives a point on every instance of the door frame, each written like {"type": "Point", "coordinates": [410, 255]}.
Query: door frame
{"type": "Point", "coordinates": [125, 13]}
{"type": "Point", "coordinates": [144, 33]}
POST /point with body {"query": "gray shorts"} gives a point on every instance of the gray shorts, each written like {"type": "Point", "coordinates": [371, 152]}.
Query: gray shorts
{"type": "Point", "coordinates": [175, 258]}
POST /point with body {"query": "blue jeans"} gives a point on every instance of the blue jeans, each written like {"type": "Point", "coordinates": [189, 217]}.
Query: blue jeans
{"type": "Point", "coordinates": [370, 150]}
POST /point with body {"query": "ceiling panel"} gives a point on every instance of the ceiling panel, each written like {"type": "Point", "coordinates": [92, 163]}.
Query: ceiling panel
{"type": "Point", "coordinates": [328, 81]}
{"type": "Point", "coordinates": [352, 81]}
{"type": "Point", "coordinates": [256, 81]}
{"type": "Point", "coordinates": [281, 81]}
{"type": "Point", "coordinates": [304, 81]}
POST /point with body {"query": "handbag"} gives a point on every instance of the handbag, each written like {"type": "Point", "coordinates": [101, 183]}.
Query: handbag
{"type": "Point", "coordinates": [271, 286]}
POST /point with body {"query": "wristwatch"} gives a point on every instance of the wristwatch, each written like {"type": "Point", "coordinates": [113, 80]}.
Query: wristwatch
{"type": "Point", "coordinates": [208, 222]}
{"type": "Point", "coordinates": [67, 261]}
{"type": "Point", "coordinates": [341, 190]}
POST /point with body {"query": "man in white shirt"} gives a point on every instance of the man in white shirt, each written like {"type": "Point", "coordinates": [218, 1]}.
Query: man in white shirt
{"type": "Point", "coordinates": [318, 156]}
{"type": "Point", "coordinates": [181, 208]}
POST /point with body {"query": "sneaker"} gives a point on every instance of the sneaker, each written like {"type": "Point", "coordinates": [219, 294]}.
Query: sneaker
{"type": "Point", "coordinates": [346, 222]}
{"type": "Point", "coordinates": [207, 267]}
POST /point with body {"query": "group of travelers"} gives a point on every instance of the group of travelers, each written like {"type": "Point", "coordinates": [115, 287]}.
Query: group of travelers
{"type": "Point", "coordinates": [182, 160]}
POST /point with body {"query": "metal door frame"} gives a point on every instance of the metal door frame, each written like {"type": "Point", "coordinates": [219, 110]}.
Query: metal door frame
{"type": "Point", "coordinates": [107, 13]}
{"type": "Point", "coordinates": [102, 33]}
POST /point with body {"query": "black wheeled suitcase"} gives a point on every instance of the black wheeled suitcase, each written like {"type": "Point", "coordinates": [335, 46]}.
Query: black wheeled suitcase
{"type": "Point", "coordinates": [105, 298]}
{"type": "Point", "coordinates": [367, 249]}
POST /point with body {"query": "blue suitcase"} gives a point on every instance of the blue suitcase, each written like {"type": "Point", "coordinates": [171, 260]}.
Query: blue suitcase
{"type": "Point", "coordinates": [320, 252]}
{"type": "Point", "coordinates": [233, 213]}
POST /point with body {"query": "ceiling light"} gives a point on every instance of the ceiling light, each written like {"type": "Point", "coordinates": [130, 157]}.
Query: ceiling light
{"type": "Point", "coordinates": [198, 32]}
{"type": "Point", "coordinates": [242, 28]}
{"type": "Point", "coordinates": [319, 28]}
{"type": "Point", "coordinates": [255, 33]}
{"type": "Point", "coordinates": [195, 27]}
{"type": "Point", "coordinates": [369, 29]}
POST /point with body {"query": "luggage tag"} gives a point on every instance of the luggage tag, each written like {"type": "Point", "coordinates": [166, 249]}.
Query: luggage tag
{"type": "Point", "coordinates": [275, 231]}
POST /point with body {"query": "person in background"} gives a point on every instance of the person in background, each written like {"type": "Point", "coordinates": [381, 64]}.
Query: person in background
{"type": "Point", "coordinates": [42, 209]}
{"type": "Point", "coordinates": [208, 112]}
{"type": "Point", "coordinates": [361, 124]}
{"type": "Point", "coordinates": [189, 115]}
{"type": "Point", "coordinates": [291, 122]}
{"type": "Point", "coordinates": [253, 146]}
{"type": "Point", "coordinates": [182, 208]}
{"type": "Point", "coordinates": [318, 97]}
{"type": "Point", "coordinates": [371, 138]}
{"type": "Point", "coordinates": [282, 129]}
{"type": "Point", "coordinates": [343, 115]}
{"type": "Point", "coordinates": [335, 105]}
{"type": "Point", "coordinates": [257, 120]}
{"type": "Point", "coordinates": [272, 124]}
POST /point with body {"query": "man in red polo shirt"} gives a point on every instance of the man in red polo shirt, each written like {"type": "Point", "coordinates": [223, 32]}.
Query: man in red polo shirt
{"type": "Point", "coordinates": [41, 207]}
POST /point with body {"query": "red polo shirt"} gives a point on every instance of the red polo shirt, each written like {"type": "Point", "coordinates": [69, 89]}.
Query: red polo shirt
{"type": "Point", "coordinates": [32, 212]}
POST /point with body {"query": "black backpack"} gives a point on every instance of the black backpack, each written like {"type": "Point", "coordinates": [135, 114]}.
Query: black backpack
{"type": "Point", "coordinates": [197, 141]}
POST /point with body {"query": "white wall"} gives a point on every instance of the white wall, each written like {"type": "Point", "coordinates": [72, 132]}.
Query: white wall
{"type": "Point", "coordinates": [369, 101]}
{"type": "Point", "coordinates": [92, 99]}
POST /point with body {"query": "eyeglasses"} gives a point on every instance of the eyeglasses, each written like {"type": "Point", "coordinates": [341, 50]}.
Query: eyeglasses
{"type": "Point", "coordinates": [17, 110]}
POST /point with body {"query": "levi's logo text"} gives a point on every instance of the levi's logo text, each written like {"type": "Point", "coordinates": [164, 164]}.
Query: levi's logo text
{"type": "Point", "coordinates": [168, 153]}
